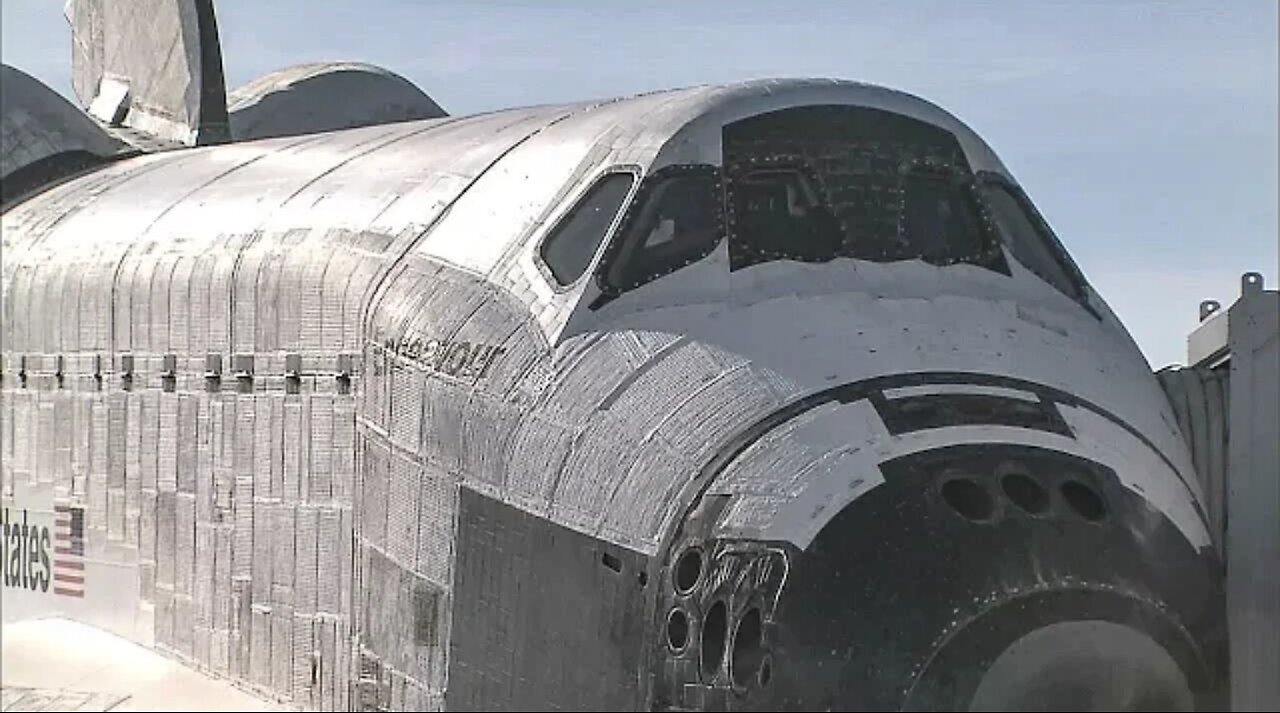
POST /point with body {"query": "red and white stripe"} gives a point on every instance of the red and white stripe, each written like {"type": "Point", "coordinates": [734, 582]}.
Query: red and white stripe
{"type": "Point", "coordinates": [68, 551]}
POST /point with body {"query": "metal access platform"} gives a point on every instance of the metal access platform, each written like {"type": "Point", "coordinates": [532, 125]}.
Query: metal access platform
{"type": "Point", "coordinates": [1227, 401]}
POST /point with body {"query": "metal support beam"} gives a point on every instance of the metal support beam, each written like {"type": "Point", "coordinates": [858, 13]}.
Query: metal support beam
{"type": "Point", "coordinates": [1253, 498]}
{"type": "Point", "coordinates": [1227, 402]}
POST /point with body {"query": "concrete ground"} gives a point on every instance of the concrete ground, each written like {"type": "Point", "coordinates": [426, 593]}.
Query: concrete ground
{"type": "Point", "coordinates": [60, 665]}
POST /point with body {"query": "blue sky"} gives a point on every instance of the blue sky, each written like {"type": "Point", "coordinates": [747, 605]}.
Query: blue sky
{"type": "Point", "coordinates": [1146, 132]}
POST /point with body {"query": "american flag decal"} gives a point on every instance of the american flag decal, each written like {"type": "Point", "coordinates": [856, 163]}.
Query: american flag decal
{"type": "Point", "coordinates": [68, 551]}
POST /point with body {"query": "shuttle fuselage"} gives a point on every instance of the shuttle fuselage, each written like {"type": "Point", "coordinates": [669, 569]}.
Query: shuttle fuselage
{"type": "Point", "coordinates": [777, 395]}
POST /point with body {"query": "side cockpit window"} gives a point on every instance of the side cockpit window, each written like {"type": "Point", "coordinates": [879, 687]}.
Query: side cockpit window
{"type": "Point", "coordinates": [1027, 239]}
{"type": "Point", "coordinates": [675, 220]}
{"type": "Point", "coordinates": [569, 248]}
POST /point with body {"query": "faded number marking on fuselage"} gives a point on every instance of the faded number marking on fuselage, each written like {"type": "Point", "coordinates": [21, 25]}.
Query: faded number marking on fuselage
{"type": "Point", "coordinates": [463, 360]}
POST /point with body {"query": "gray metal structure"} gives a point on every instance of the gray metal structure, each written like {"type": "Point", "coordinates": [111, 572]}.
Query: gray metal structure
{"type": "Point", "coordinates": [43, 136]}
{"type": "Point", "coordinates": [776, 394]}
{"type": "Point", "coordinates": [300, 100]}
{"type": "Point", "coordinates": [1228, 403]}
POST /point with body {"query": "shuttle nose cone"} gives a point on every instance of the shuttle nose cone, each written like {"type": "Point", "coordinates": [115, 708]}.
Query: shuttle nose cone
{"type": "Point", "coordinates": [996, 578]}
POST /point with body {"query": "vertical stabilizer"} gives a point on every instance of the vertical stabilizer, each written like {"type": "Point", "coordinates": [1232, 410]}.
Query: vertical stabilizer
{"type": "Point", "coordinates": [154, 66]}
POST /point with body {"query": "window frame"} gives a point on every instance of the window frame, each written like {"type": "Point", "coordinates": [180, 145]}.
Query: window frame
{"type": "Point", "coordinates": [574, 201]}
{"type": "Point", "coordinates": [968, 186]}
{"type": "Point", "coordinates": [738, 244]}
{"type": "Point", "coordinates": [623, 237]}
{"type": "Point", "coordinates": [1053, 245]}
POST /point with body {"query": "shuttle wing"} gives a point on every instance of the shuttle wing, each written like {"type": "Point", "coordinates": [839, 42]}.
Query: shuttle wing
{"type": "Point", "coordinates": [61, 665]}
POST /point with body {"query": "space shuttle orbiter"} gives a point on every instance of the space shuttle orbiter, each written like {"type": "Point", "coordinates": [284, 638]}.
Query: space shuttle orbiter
{"type": "Point", "coordinates": [776, 395]}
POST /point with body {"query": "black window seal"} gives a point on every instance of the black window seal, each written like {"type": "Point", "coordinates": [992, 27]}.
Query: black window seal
{"type": "Point", "coordinates": [738, 243]}
{"type": "Point", "coordinates": [622, 232]}
{"type": "Point", "coordinates": [636, 174]}
{"type": "Point", "coordinates": [969, 187]}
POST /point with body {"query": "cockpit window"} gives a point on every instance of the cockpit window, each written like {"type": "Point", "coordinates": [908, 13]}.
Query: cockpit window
{"type": "Point", "coordinates": [675, 220]}
{"type": "Point", "coordinates": [781, 214]}
{"type": "Point", "coordinates": [823, 182]}
{"type": "Point", "coordinates": [941, 220]}
{"type": "Point", "coordinates": [1028, 239]}
{"type": "Point", "coordinates": [568, 250]}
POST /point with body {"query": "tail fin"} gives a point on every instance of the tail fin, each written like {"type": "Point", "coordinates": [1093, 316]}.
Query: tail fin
{"type": "Point", "coordinates": [154, 66]}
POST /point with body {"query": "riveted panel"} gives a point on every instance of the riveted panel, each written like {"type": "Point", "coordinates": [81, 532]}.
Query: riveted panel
{"type": "Point", "coordinates": [244, 470]}
{"type": "Point", "coordinates": [402, 512]}
{"type": "Point", "coordinates": [346, 565]}
{"type": "Point", "coordinates": [444, 404]}
{"type": "Point", "coordinates": [67, 335]}
{"type": "Point", "coordinates": [183, 631]}
{"type": "Point", "coordinates": [244, 306]}
{"type": "Point", "coordinates": [167, 443]}
{"type": "Point", "coordinates": [293, 436]}
{"type": "Point", "coordinates": [208, 418]}
{"type": "Point", "coordinates": [147, 531]}
{"type": "Point", "coordinates": [344, 449]}
{"type": "Point", "coordinates": [185, 543]}
{"type": "Point", "coordinates": [23, 432]}
{"type": "Point", "coordinates": [406, 404]}
{"type": "Point", "coordinates": [241, 628]}
{"type": "Point", "coordinates": [200, 295]}
{"type": "Point", "coordinates": [161, 308]}
{"type": "Point", "coordinates": [99, 461]}
{"type": "Point", "coordinates": [201, 647]}
{"type": "Point", "coordinates": [220, 300]}
{"type": "Point", "coordinates": [186, 440]}
{"type": "Point", "coordinates": [262, 447]}
{"type": "Point", "coordinates": [305, 663]}
{"type": "Point", "coordinates": [149, 438]}
{"type": "Point", "coordinates": [46, 438]}
{"type": "Point", "coordinates": [222, 604]}
{"type": "Point", "coordinates": [265, 537]}
{"type": "Point", "coordinates": [436, 523]}
{"type": "Point", "coordinates": [287, 551]}
{"type": "Point", "coordinates": [220, 651]}
{"type": "Point", "coordinates": [337, 275]}
{"type": "Point", "coordinates": [275, 447]}
{"type": "Point", "coordinates": [260, 648]}
{"type": "Point", "coordinates": [640, 526]}
{"type": "Point", "coordinates": [203, 586]}
{"type": "Point", "coordinates": [498, 635]}
{"type": "Point", "coordinates": [311, 312]}
{"type": "Point", "coordinates": [488, 429]}
{"type": "Point", "coordinates": [47, 310]}
{"type": "Point", "coordinates": [590, 475]}
{"type": "Point", "coordinates": [81, 444]}
{"type": "Point", "coordinates": [538, 453]}
{"type": "Point", "coordinates": [321, 448]}
{"type": "Point", "coordinates": [141, 272]}
{"type": "Point", "coordinates": [163, 599]}
{"type": "Point", "coordinates": [180, 306]}
{"type": "Point", "coordinates": [374, 381]}
{"type": "Point", "coordinates": [62, 436]}
{"type": "Point", "coordinates": [305, 446]}
{"type": "Point", "coordinates": [306, 562]}
{"type": "Point", "coordinates": [281, 650]}
{"type": "Point", "coordinates": [330, 580]}
{"type": "Point", "coordinates": [295, 260]}
{"type": "Point", "coordinates": [165, 537]}
{"type": "Point", "coordinates": [373, 520]}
